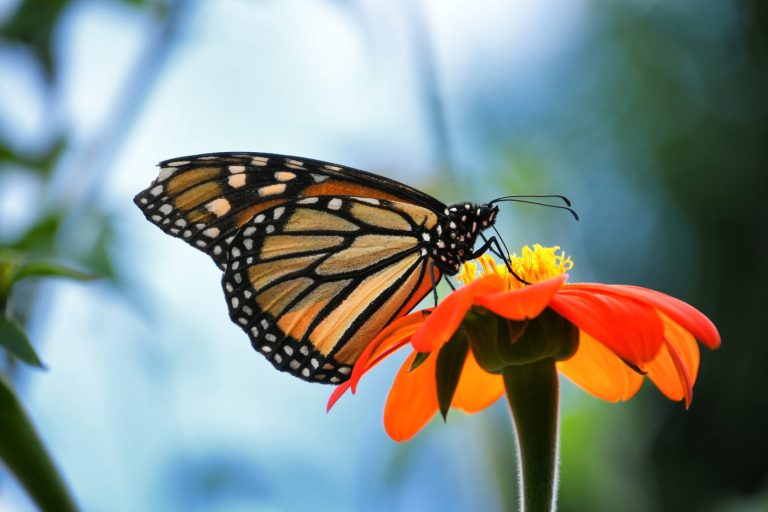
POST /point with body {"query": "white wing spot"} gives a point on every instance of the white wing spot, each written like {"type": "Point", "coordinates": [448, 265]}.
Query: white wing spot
{"type": "Point", "coordinates": [156, 191]}
{"type": "Point", "coordinates": [272, 190]}
{"type": "Point", "coordinates": [236, 180]}
{"type": "Point", "coordinates": [187, 233]}
{"type": "Point", "coordinates": [217, 250]}
{"type": "Point", "coordinates": [218, 207]}
{"type": "Point", "coordinates": [229, 287]}
{"type": "Point", "coordinates": [309, 200]}
{"type": "Point", "coordinates": [332, 167]}
{"type": "Point", "coordinates": [143, 200]}
{"type": "Point", "coordinates": [334, 204]}
{"type": "Point", "coordinates": [278, 357]}
{"type": "Point", "coordinates": [345, 370]}
{"type": "Point", "coordinates": [319, 177]}
{"type": "Point", "coordinates": [157, 218]}
{"type": "Point", "coordinates": [247, 310]}
{"type": "Point", "coordinates": [178, 163]}
{"type": "Point", "coordinates": [181, 223]}
{"type": "Point", "coordinates": [288, 350]}
{"type": "Point", "coordinates": [369, 200]}
{"type": "Point", "coordinates": [284, 176]}
{"type": "Point", "coordinates": [249, 231]}
{"type": "Point", "coordinates": [212, 232]}
{"type": "Point", "coordinates": [248, 244]}
{"type": "Point", "coordinates": [255, 331]}
{"type": "Point", "coordinates": [269, 229]}
{"type": "Point", "coordinates": [305, 372]}
{"type": "Point", "coordinates": [235, 302]}
{"type": "Point", "coordinates": [278, 212]}
{"type": "Point", "coordinates": [200, 243]}
{"type": "Point", "coordinates": [271, 338]}
{"type": "Point", "coordinates": [235, 252]}
{"type": "Point", "coordinates": [165, 173]}
{"type": "Point", "coordinates": [238, 278]}
{"type": "Point", "coordinates": [236, 169]}
{"type": "Point", "coordinates": [259, 218]}
{"type": "Point", "coordinates": [425, 236]}
{"type": "Point", "coordinates": [266, 349]}
{"type": "Point", "coordinates": [304, 350]}
{"type": "Point", "coordinates": [261, 161]}
{"type": "Point", "coordinates": [294, 365]}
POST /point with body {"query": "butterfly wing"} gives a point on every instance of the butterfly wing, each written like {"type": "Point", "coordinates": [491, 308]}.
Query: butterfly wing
{"type": "Point", "coordinates": [314, 280]}
{"type": "Point", "coordinates": [205, 199]}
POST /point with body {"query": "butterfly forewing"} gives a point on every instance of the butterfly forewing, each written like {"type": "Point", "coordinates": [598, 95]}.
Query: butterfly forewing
{"type": "Point", "coordinates": [205, 199]}
{"type": "Point", "coordinates": [312, 281]}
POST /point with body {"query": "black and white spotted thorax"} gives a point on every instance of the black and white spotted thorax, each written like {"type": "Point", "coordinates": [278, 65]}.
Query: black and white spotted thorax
{"type": "Point", "coordinates": [451, 241]}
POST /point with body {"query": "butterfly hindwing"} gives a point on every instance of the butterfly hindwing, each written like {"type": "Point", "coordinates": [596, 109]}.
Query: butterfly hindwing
{"type": "Point", "coordinates": [313, 280]}
{"type": "Point", "coordinates": [206, 199]}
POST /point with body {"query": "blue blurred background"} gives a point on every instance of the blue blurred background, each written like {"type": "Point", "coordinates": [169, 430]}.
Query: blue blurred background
{"type": "Point", "coordinates": [651, 116]}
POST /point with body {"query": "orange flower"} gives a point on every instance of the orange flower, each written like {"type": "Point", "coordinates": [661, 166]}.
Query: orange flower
{"type": "Point", "coordinates": [624, 332]}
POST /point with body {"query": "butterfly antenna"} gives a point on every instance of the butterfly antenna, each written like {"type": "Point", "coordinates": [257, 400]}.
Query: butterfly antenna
{"type": "Point", "coordinates": [513, 199]}
{"type": "Point", "coordinates": [537, 196]}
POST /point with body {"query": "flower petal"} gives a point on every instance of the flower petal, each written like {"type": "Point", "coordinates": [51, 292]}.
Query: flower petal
{"type": "Point", "coordinates": [675, 368]}
{"type": "Point", "coordinates": [631, 329]}
{"type": "Point", "coordinates": [477, 388]}
{"type": "Point", "coordinates": [526, 302]}
{"type": "Point", "coordinates": [600, 372]}
{"type": "Point", "coordinates": [447, 316]}
{"type": "Point", "coordinates": [412, 401]}
{"type": "Point", "coordinates": [688, 317]}
{"type": "Point", "coordinates": [390, 339]}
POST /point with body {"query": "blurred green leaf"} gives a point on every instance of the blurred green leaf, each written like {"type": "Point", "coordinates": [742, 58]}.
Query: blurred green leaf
{"type": "Point", "coordinates": [23, 453]}
{"type": "Point", "coordinates": [39, 268]}
{"type": "Point", "coordinates": [41, 237]}
{"type": "Point", "coordinates": [33, 25]}
{"type": "Point", "coordinates": [15, 341]}
{"type": "Point", "coordinates": [42, 162]}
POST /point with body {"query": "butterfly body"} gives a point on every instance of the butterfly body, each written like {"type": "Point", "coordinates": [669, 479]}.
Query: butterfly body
{"type": "Point", "coordinates": [317, 258]}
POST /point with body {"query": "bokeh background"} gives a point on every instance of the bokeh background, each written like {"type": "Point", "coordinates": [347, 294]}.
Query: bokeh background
{"type": "Point", "coordinates": [652, 116]}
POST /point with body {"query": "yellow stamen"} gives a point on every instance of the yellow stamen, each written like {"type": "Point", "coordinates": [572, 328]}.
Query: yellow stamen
{"type": "Point", "coordinates": [535, 265]}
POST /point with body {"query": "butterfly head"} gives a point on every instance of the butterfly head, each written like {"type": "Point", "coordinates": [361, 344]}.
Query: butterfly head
{"type": "Point", "coordinates": [453, 240]}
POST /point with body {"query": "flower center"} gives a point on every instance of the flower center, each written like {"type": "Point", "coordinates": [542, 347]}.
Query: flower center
{"type": "Point", "coordinates": [535, 265]}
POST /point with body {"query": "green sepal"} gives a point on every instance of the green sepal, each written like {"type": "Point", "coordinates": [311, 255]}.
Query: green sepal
{"type": "Point", "coordinates": [450, 363]}
{"type": "Point", "coordinates": [419, 360]}
{"type": "Point", "coordinates": [498, 342]}
{"type": "Point", "coordinates": [15, 341]}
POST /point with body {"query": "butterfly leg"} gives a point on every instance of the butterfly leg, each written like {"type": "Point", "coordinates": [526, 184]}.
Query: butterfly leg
{"type": "Point", "coordinates": [493, 245]}
{"type": "Point", "coordinates": [434, 283]}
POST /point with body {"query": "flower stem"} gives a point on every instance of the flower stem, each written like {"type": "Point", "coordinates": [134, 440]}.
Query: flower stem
{"type": "Point", "coordinates": [532, 392]}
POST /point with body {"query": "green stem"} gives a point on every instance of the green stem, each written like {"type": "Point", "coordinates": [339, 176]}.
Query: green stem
{"type": "Point", "coordinates": [532, 392]}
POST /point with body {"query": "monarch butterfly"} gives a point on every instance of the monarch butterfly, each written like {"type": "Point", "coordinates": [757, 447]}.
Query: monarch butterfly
{"type": "Point", "coordinates": [317, 258]}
